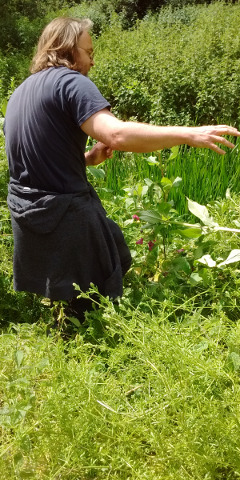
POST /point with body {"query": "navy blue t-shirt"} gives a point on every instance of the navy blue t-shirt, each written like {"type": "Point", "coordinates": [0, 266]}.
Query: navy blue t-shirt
{"type": "Point", "coordinates": [44, 142]}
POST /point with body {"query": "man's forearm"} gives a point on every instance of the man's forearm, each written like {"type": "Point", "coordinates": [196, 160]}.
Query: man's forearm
{"type": "Point", "coordinates": [143, 138]}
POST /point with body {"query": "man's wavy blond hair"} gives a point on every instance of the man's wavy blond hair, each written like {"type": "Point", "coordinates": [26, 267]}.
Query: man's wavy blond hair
{"type": "Point", "coordinates": [57, 46]}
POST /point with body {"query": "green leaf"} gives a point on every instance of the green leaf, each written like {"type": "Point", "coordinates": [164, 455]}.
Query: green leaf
{"type": "Point", "coordinates": [150, 217]}
{"type": "Point", "coordinates": [96, 172]}
{"type": "Point", "coordinates": [4, 106]}
{"type": "Point", "coordinates": [201, 212]}
{"type": "Point", "coordinates": [174, 152]}
{"type": "Point", "coordinates": [18, 357]}
{"type": "Point", "coordinates": [190, 232]}
{"type": "Point", "coordinates": [75, 321]}
{"type": "Point", "coordinates": [140, 190]}
{"type": "Point", "coordinates": [235, 359]}
{"type": "Point", "coordinates": [144, 190]}
{"type": "Point", "coordinates": [165, 182]}
{"type": "Point", "coordinates": [129, 202]}
{"type": "Point", "coordinates": [181, 264]}
{"type": "Point", "coordinates": [207, 260]}
{"type": "Point", "coordinates": [43, 364]}
{"type": "Point", "coordinates": [148, 182]}
{"type": "Point", "coordinates": [234, 256]}
{"type": "Point", "coordinates": [177, 182]}
{"type": "Point", "coordinates": [206, 276]}
{"type": "Point", "coordinates": [6, 410]}
{"type": "Point", "coordinates": [228, 194]}
{"type": "Point", "coordinates": [152, 160]}
{"type": "Point", "coordinates": [200, 347]}
{"type": "Point", "coordinates": [164, 208]}
{"type": "Point", "coordinates": [195, 279]}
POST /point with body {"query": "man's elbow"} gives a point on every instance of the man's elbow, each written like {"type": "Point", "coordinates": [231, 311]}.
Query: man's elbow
{"type": "Point", "coordinates": [118, 141]}
{"type": "Point", "coordinates": [115, 141]}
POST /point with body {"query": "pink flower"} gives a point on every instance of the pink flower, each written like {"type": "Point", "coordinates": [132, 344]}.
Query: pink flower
{"type": "Point", "coordinates": [136, 217]}
{"type": "Point", "coordinates": [140, 241]}
{"type": "Point", "coordinates": [151, 244]}
{"type": "Point", "coordinates": [181, 250]}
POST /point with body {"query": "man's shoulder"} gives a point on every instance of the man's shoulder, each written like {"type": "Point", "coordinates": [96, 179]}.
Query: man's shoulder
{"type": "Point", "coordinates": [66, 74]}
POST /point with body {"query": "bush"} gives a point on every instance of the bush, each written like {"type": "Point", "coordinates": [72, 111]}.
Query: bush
{"type": "Point", "coordinates": [100, 12]}
{"type": "Point", "coordinates": [180, 66]}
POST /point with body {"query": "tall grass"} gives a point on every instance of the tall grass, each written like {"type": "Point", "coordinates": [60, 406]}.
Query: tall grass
{"type": "Point", "coordinates": [206, 176]}
{"type": "Point", "coordinates": [146, 389]}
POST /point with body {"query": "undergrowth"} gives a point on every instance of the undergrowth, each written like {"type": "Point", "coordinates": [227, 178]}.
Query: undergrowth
{"type": "Point", "coordinates": [147, 387]}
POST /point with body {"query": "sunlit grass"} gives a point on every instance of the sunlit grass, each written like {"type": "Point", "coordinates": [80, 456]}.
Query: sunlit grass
{"type": "Point", "coordinates": [205, 175]}
{"type": "Point", "coordinates": [145, 389]}
{"type": "Point", "coordinates": [148, 399]}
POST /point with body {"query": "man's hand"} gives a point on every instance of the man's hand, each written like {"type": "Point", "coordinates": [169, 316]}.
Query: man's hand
{"type": "Point", "coordinates": [208, 136]}
{"type": "Point", "coordinates": [98, 154]}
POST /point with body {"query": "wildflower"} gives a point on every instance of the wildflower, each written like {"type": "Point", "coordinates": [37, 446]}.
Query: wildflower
{"type": "Point", "coordinates": [151, 244]}
{"type": "Point", "coordinates": [181, 250]}
{"type": "Point", "coordinates": [140, 241]}
{"type": "Point", "coordinates": [136, 217]}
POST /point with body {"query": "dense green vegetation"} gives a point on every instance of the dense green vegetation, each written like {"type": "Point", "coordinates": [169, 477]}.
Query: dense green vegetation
{"type": "Point", "coordinates": [147, 388]}
{"type": "Point", "coordinates": [179, 66]}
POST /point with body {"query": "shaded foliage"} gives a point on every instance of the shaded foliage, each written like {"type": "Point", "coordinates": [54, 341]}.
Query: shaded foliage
{"type": "Point", "coordinates": [21, 21]}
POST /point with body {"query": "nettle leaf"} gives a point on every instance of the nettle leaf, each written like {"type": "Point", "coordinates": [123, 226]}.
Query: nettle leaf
{"type": "Point", "coordinates": [152, 160]}
{"type": "Point", "coordinates": [201, 212]}
{"type": "Point", "coordinates": [191, 232]}
{"type": "Point", "coordinates": [207, 260]}
{"type": "Point", "coordinates": [129, 202]}
{"type": "Point", "coordinates": [148, 182]}
{"type": "Point", "coordinates": [174, 152]}
{"type": "Point", "coordinates": [164, 207]}
{"type": "Point", "coordinates": [177, 182]}
{"type": "Point", "coordinates": [96, 172]}
{"type": "Point", "coordinates": [75, 321]}
{"type": "Point", "coordinates": [18, 357]}
{"type": "Point", "coordinates": [195, 279]}
{"type": "Point", "coordinates": [144, 190]}
{"type": "Point", "coordinates": [140, 190]}
{"type": "Point", "coordinates": [150, 217]}
{"type": "Point", "coordinates": [201, 346]}
{"type": "Point", "coordinates": [165, 182]}
{"type": "Point", "coordinates": [181, 264]}
{"type": "Point", "coordinates": [234, 256]}
{"type": "Point", "coordinates": [235, 359]}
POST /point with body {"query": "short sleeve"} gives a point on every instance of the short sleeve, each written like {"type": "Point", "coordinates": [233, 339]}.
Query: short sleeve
{"type": "Point", "coordinates": [79, 97]}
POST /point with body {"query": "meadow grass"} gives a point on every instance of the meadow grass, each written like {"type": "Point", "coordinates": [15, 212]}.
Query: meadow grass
{"type": "Point", "coordinates": [145, 398]}
{"type": "Point", "coordinates": [147, 388]}
{"type": "Point", "coordinates": [206, 176]}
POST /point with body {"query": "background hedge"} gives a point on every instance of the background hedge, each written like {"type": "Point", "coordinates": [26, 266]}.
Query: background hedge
{"type": "Point", "coordinates": [175, 65]}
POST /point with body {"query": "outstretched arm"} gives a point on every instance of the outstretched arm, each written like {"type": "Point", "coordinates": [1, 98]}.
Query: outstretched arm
{"type": "Point", "coordinates": [143, 138]}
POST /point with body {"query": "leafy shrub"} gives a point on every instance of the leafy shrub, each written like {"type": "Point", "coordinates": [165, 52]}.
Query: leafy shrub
{"type": "Point", "coordinates": [100, 12]}
{"type": "Point", "coordinates": [180, 66]}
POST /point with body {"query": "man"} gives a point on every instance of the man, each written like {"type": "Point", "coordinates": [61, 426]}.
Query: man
{"type": "Point", "coordinates": [61, 233]}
